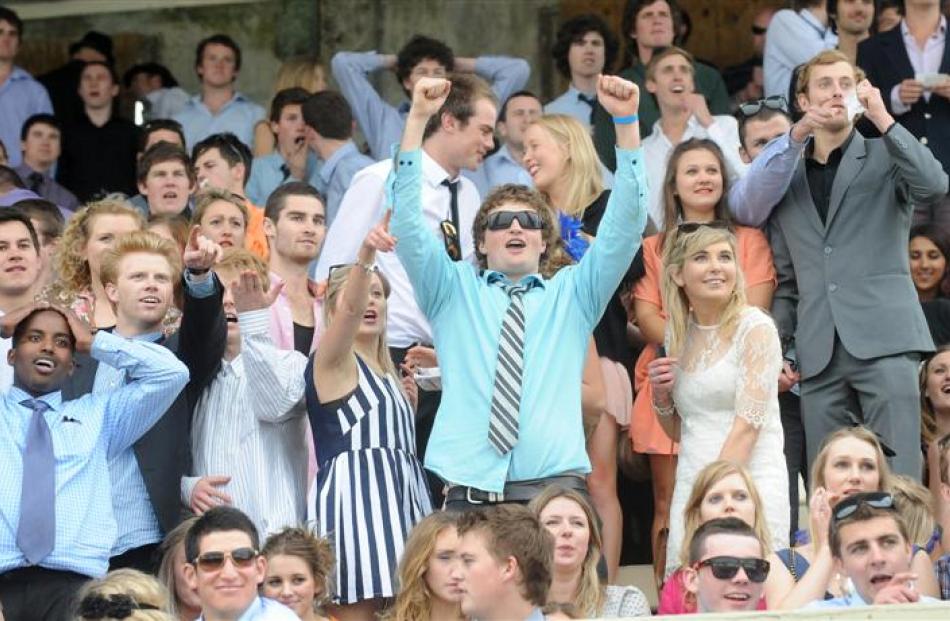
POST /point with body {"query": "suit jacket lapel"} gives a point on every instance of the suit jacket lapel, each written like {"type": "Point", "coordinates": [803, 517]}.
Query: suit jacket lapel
{"type": "Point", "coordinates": [893, 44]}
{"type": "Point", "coordinates": [851, 163]}
{"type": "Point", "coordinates": [801, 195]}
{"type": "Point", "coordinates": [945, 63]}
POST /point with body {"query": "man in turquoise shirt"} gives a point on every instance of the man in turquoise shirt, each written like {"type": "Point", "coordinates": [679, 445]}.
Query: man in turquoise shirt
{"type": "Point", "coordinates": [473, 318]}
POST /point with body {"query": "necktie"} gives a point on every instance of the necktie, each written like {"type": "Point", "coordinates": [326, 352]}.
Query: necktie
{"type": "Point", "coordinates": [590, 100]}
{"type": "Point", "coordinates": [285, 171]}
{"type": "Point", "coordinates": [36, 531]}
{"type": "Point", "coordinates": [506, 395]}
{"type": "Point", "coordinates": [453, 187]}
{"type": "Point", "coordinates": [453, 245]}
{"type": "Point", "coordinates": [35, 180]}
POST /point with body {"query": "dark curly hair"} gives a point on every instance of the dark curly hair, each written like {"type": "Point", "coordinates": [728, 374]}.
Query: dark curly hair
{"type": "Point", "coordinates": [573, 31]}
{"type": "Point", "coordinates": [419, 48]}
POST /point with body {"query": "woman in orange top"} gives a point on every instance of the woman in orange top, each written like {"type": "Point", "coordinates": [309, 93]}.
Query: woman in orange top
{"type": "Point", "coordinates": [694, 190]}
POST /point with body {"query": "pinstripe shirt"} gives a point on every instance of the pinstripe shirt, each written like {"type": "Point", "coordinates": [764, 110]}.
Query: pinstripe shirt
{"type": "Point", "coordinates": [250, 424]}
{"type": "Point", "coordinates": [86, 433]}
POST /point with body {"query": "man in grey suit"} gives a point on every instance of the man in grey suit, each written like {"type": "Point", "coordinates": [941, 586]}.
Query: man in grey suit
{"type": "Point", "coordinates": [839, 238]}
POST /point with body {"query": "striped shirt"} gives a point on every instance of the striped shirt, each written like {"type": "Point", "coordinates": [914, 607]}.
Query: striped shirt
{"type": "Point", "coordinates": [250, 425]}
{"type": "Point", "coordinates": [86, 433]}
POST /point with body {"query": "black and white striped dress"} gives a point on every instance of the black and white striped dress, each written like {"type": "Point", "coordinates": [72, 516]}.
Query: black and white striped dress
{"type": "Point", "coordinates": [371, 489]}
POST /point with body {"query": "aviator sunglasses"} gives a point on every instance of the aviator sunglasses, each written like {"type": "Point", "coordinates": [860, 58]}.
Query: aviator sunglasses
{"type": "Point", "coordinates": [214, 561]}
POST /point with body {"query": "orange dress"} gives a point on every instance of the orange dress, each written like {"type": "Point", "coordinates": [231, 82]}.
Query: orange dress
{"type": "Point", "coordinates": [755, 261]}
{"type": "Point", "coordinates": [254, 239]}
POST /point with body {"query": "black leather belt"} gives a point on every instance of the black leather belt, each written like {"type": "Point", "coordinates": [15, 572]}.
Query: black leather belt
{"type": "Point", "coordinates": [515, 491]}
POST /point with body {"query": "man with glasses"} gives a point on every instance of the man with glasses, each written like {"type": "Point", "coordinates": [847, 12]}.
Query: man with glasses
{"type": "Point", "coordinates": [727, 567]}
{"type": "Point", "coordinates": [225, 567]}
{"type": "Point", "coordinates": [870, 543]}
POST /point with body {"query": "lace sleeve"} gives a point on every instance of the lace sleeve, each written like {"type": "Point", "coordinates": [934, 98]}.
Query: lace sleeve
{"type": "Point", "coordinates": [760, 362]}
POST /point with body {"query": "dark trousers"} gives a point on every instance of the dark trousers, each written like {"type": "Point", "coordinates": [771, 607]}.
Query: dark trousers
{"type": "Point", "coordinates": [796, 460]}
{"type": "Point", "coordinates": [144, 559]}
{"type": "Point", "coordinates": [425, 418]}
{"type": "Point", "coordinates": [40, 594]}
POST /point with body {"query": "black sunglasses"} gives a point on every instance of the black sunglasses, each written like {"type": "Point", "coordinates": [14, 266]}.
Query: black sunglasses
{"type": "Point", "coordinates": [528, 220]}
{"type": "Point", "coordinates": [213, 561]}
{"type": "Point", "coordinates": [692, 227]}
{"type": "Point", "coordinates": [850, 504]}
{"type": "Point", "coordinates": [726, 567]}
{"type": "Point", "coordinates": [450, 236]}
{"type": "Point", "coordinates": [758, 30]}
{"type": "Point", "coordinates": [775, 102]}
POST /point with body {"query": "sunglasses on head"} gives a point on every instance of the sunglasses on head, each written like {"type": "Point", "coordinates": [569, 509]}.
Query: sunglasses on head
{"type": "Point", "coordinates": [692, 227]}
{"type": "Point", "coordinates": [214, 561]}
{"type": "Point", "coordinates": [850, 504]}
{"type": "Point", "coordinates": [775, 102]}
{"type": "Point", "coordinates": [726, 567]}
{"type": "Point", "coordinates": [501, 220]}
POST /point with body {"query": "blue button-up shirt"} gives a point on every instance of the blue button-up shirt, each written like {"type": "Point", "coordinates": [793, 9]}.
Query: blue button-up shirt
{"type": "Point", "coordinates": [263, 609]}
{"type": "Point", "coordinates": [765, 181]}
{"type": "Point", "coordinates": [466, 314]}
{"type": "Point", "coordinates": [20, 98]}
{"type": "Point", "coordinates": [854, 600]}
{"type": "Point", "coordinates": [571, 104]}
{"type": "Point", "coordinates": [337, 172]}
{"type": "Point", "coordinates": [267, 174]}
{"type": "Point", "coordinates": [497, 169]}
{"type": "Point", "coordinates": [792, 39]}
{"type": "Point", "coordinates": [238, 116]}
{"type": "Point", "coordinates": [86, 433]}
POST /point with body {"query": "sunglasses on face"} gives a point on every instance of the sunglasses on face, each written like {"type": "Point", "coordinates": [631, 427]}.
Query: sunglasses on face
{"type": "Point", "coordinates": [214, 561]}
{"type": "Point", "coordinates": [876, 500]}
{"type": "Point", "coordinates": [758, 30]}
{"type": "Point", "coordinates": [692, 227]}
{"type": "Point", "coordinates": [501, 220]}
{"type": "Point", "coordinates": [726, 567]}
{"type": "Point", "coordinates": [775, 102]}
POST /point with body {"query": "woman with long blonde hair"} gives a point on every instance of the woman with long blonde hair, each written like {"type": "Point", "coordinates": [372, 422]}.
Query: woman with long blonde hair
{"type": "Point", "coordinates": [571, 520]}
{"type": "Point", "coordinates": [722, 489]}
{"type": "Point", "coordinates": [371, 489]}
{"type": "Point", "coordinates": [716, 389]}
{"type": "Point", "coordinates": [565, 168]}
{"type": "Point", "coordinates": [427, 589]}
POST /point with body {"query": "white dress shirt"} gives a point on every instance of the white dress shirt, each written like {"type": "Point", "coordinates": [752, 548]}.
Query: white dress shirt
{"type": "Point", "coordinates": [926, 60]}
{"type": "Point", "coordinates": [362, 208]}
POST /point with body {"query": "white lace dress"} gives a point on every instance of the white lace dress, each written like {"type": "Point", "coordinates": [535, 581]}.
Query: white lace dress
{"type": "Point", "coordinates": [716, 381]}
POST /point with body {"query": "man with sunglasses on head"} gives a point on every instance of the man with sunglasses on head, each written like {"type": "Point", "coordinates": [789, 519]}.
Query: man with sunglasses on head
{"type": "Point", "coordinates": [869, 541]}
{"type": "Point", "coordinates": [225, 567]}
{"type": "Point", "coordinates": [727, 567]}
{"type": "Point", "coordinates": [512, 341]}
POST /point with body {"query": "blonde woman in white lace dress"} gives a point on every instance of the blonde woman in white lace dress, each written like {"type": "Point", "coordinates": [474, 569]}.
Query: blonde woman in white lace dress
{"type": "Point", "coordinates": [716, 391]}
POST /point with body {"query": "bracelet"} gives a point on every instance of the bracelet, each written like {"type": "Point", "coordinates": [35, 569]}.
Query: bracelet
{"type": "Point", "coordinates": [626, 120]}
{"type": "Point", "coordinates": [663, 410]}
{"type": "Point", "coordinates": [200, 272]}
{"type": "Point", "coordinates": [369, 268]}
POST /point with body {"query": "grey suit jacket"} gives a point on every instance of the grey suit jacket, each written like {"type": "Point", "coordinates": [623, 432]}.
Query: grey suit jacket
{"type": "Point", "coordinates": [851, 274]}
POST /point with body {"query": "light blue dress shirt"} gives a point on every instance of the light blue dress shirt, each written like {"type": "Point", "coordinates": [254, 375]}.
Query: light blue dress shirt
{"type": "Point", "coordinates": [765, 181]}
{"type": "Point", "coordinates": [86, 433]}
{"type": "Point", "coordinates": [571, 104]}
{"type": "Point", "coordinates": [337, 172]}
{"type": "Point", "coordinates": [380, 121]}
{"type": "Point", "coordinates": [854, 600]}
{"type": "Point", "coordinates": [263, 609]}
{"type": "Point", "coordinates": [498, 169]}
{"type": "Point", "coordinates": [238, 116]}
{"type": "Point", "coordinates": [20, 98]}
{"type": "Point", "coordinates": [792, 39]}
{"type": "Point", "coordinates": [267, 175]}
{"type": "Point", "coordinates": [466, 315]}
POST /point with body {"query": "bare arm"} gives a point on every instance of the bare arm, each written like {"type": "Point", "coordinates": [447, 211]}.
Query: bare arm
{"type": "Point", "coordinates": [650, 320]}
{"type": "Point", "coordinates": [593, 397]}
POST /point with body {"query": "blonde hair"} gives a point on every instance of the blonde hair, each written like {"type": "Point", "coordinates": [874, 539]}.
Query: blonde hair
{"type": "Point", "coordinates": [237, 260]}
{"type": "Point", "coordinates": [166, 571]}
{"type": "Point", "coordinates": [71, 263]}
{"type": "Point", "coordinates": [591, 593]}
{"type": "Point", "coordinates": [140, 594]}
{"type": "Point", "coordinates": [825, 57]}
{"type": "Point", "coordinates": [864, 434]}
{"type": "Point", "coordinates": [413, 597]}
{"type": "Point", "coordinates": [675, 300]}
{"type": "Point", "coordinates": [585, 180]}
{"type": "Point", "coordinates": [707, 477]}
{"type": "Point", "coordinates": [207, 197]}
{"type": "Point", "coordinates": [306, 72]}
{"type": "Point", "coordinates": [915, 503]}
{"type": "Point", "coordinates": [139, 241]}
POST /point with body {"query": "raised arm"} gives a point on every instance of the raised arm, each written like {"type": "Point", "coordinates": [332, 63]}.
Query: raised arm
{"type": "Point", "coordinates": [374, 114]}
{"type": "Point", "coordinates": [507, 75]}
{"type": "Point", "coordinates": [204, 331]}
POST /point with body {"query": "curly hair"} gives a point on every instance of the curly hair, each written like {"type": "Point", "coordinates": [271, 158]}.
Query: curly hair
{"type": "Point", "coordinates": [420, 48]}
{"type": "Point", "coordinates": [522, 195]}
{"type": "Point", "coordinates": [71, 263]}
{"type": "Point", "coordinates": [311, 549]}
{"type": "Point", "coordinates": [572, 31]}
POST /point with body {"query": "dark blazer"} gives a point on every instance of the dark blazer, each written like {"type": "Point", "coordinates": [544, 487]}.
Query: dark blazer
{"type": "Point", "coordinates": [884, 58]}
{"type": "Point", "coordinates": [850, 274]}
{"type": "Point", "coordinates": [164, 452]}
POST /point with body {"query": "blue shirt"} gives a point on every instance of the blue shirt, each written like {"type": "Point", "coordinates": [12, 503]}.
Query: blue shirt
{"type": "Point", "coordinates": [571, 104]}
{"type": "Point", "coordinates": [380, 121]}
{"type": "Point", "coordinates": [86, 433]}
{"type": "Point", "coordinates": [20, 98]}
{"type": "Point", "coordinates": [337, 172]}
{"type": "Point", "coordinates": [765, 181]}
{"type": "Point", "coordinates": [263, 609]}
{"type": "Point", "coordinates": [466, 315]}
{"type": "Point", "coordinates": [792, 39]}
{"type": "Point", "coordinates": [267, 174]}
{"type": "Point", "coordinates": [238, 116]}
{"type": "Point", "coordinates": [854, 600]}
{"type": "Point", "coordinates": [499, 168]}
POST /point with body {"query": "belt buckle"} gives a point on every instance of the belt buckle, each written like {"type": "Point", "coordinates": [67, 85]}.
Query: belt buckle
{"type": "Point", "coordinates": [493, 497]}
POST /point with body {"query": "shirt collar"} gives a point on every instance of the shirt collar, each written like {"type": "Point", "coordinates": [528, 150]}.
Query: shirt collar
{"type": "Point", "coordinates": [813, 21]}
{"type": "Point", "coordinates": [432, 171]}
{"type": "Point", "coordinates": [529, 281]}
{"type": "Point", "coordinates": [312, 285]}
{"type": "Point", "coordinates": [838, 152]}
{"type": "Point", "coordinates": [330, 165]}
{"type": "Point", "coordinates": [941, 32]}
{"type": "Point", "coordinates": [53, 399]}
{"type": "Point", "coordinates": [197, 99]}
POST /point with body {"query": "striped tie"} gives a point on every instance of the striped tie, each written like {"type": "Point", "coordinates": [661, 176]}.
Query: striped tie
{"type": "Point", "coordinates": [506, 396]}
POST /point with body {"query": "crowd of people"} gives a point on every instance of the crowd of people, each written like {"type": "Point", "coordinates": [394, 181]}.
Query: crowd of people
{"type": "Point", "coordinates": [345, 359]}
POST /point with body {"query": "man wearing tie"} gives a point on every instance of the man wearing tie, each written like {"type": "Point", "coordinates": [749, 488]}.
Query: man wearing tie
{"type": "Point", "coordinates": [56, 520]}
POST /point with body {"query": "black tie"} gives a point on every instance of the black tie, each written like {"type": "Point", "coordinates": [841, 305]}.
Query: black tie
{"type": "Point", "coordinates": [285, 171]}
{"type": "Point", "coordinates": [35, 180]}
{"type": "Point", "coordinates": [453, 187]}
{"type": "Point", "coordinates": [590, 100]}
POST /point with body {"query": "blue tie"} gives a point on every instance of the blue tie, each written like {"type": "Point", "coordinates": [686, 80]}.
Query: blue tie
{"type": "Point", "coordinates": [36, 531]}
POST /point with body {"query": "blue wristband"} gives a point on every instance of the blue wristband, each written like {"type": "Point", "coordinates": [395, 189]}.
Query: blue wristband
{"type": "Point", "coordinates": [626, 120]}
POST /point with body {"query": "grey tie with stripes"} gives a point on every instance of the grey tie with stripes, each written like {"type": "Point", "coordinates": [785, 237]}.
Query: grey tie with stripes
{"type": "Point", "coordinates": [506, 396]}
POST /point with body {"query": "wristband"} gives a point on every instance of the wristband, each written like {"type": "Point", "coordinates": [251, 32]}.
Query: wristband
{"type": "Point", "coordinates": [626, 120]}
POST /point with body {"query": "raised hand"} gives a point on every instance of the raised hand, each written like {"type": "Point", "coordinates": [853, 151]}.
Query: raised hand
{"type": "Point", "coordinates": [619, 97]}
{"type": "Point", "coordinates": [200, 253]}
{"type": "Point", "coordinates": [900, 590]}
{"type": "Point", "coordinates": [10, 321]}
{"type": "Point", "coordinates": [428, 95]}
{"type": "Point", "coordinates": [379, 238]}
{"type": "Point", "coordinates": [870, 98]}
{"type": "Point", "coordinates": [815, 117]}
{"type": "Point", "coordinates": [250, 293]}
{"type": "Point", "coordinates": [82, 334]}
{"type": "Point", "coordinates": [696, 103]}
{"type": "Point", "coordinates": [662, 373]}
{"type": "Point", "coordinates": [819, 515]}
